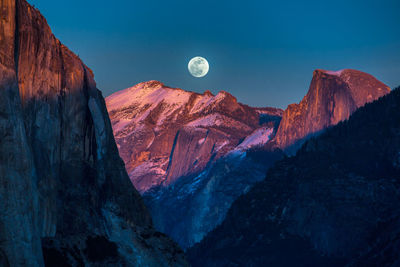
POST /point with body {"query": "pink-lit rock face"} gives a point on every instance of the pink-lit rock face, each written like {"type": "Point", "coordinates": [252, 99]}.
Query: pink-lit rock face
{"type": "Point", "coordinates": [165, 133]}
{"type": "Point", "coordinates": [63, 186]}
{"type": "Point", "coordinates": [332, 97]}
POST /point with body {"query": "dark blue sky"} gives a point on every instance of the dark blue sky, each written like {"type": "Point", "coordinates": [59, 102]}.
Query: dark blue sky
{"type": "Point", "coordinates": [263, 52]}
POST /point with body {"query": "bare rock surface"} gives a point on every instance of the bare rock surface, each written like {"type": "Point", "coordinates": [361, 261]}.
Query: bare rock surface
{"type": "Point", "coordinates": [65, 196]}
{"type": "Point", "coordinates": [332, 97]}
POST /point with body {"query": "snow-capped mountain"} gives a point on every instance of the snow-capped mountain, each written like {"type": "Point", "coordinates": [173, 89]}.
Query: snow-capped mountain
{"type": "Point", "coordinates": [165, 133]}
{"type": "Point", "coordinates": [192, 155]}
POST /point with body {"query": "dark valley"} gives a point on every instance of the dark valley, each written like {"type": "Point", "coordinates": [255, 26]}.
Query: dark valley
{"type": "Point", "coordinates": [333, 204]}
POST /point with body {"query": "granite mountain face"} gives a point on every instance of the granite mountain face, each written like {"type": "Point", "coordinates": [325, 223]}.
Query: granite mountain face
{"type": "Point", "coordinates": [332, 97]}
{"type": "Point", "coordinates": [178, 147]}
{"type": "Point", "coordinates": [335, 203]}
{"type": "Point", "coordinates": [166, 133]}
{"type": "Point", "coordinates": [191, 155]}
{"type": "Point", "coordinates": [195, 205]}
{"type": "Point", "coordinates": [65, 196]}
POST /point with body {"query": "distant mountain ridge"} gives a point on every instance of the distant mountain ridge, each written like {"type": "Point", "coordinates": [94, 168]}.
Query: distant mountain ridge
{"type": "Point", "coordinates": [191, 155]}
{"type": "Point", "coordinates": [179, 147]}
{"type": "Point", "coordinates": [165, 133]}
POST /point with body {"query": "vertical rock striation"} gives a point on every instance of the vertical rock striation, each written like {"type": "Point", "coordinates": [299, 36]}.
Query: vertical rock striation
{"type": "Point", "coordinates": [19, 236]}
{"type": "Point", "coordinates": [332, 97]}
{"type": "Point", "coordinates": [64, 192]}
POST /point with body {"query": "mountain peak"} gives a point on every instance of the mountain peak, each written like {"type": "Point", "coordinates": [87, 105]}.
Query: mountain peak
{"type": "Point", "coordinates": [332, 97]}
{"type": "Point", "coordinates": [152, 84]}
{"type": "Point", "coordinates": [222, 92]}
{"type": "Point", "coordinates": [329, 72]}
{"type": "Point", "coordinates": [208, 93]}
{"type": "Point", "coordinates": [149, 114]}
{"type": "Point", "coordinates": [339, 73]}
{"type": "Point", "coordinates": [226, 96]}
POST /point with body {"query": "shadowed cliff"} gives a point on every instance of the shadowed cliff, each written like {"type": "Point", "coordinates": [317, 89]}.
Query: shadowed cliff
{"type": "Point", "coordinates": [64, 191]}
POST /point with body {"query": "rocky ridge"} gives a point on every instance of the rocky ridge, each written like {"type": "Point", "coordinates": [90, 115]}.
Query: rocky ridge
{"type": "Point", "coordinates": [179, 148]}
{"type": "Point", "coordinates": [331, 98]}
{"type": "Point", "coordinates": [166, 133]}
{"type": "Point", "coordinates": [197, 199]}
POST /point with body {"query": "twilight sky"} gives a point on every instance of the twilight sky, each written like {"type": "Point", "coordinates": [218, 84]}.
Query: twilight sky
{"type": "Point", "coordinates": [261, 51]}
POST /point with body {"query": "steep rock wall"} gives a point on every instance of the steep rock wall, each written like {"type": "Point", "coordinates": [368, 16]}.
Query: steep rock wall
{"type": "Point", "coordinates": [332, 97]}
{"type": "Point", "coordinates": [62, 182]}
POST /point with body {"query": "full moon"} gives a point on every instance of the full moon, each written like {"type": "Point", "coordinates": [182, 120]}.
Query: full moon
{"type": "Point", "coordinates": [198, 67]}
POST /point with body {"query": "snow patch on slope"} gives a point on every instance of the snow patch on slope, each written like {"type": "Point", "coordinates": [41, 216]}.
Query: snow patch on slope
{"type": "Point", "coordinates": [148, 167]}
{"type": "Point", "coordinates": [144, 98]}
{"type": "Point", "coordinates": [132, 106]}
{"type": "Point", "coordinates": [142, 95]}
{"type": "Point", "coordinates": [204, 101]}
{"type": "Point", "coordinates": [219, 146]}
{"type": "Point", "coordinates": [120, 125]}
{"type": "Point", "coordinates": [201, 102]}
{"type": "Point", "coordinates": [335, 73]}
{"type": "Point", "coordinates": [201, 141]}
{"type": "Point", "coordinates": [258, 137]}
{"type": "Point", "coordinates": [217, 120]}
